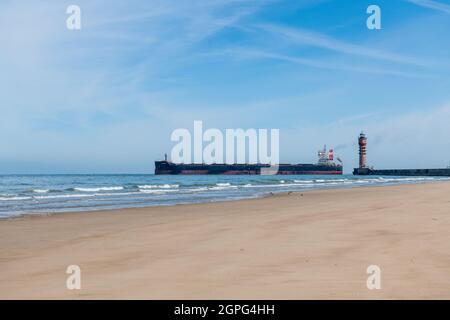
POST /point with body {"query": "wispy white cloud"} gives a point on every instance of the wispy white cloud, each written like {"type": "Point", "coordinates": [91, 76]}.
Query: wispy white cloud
{"type": "Point", "coordinates": [256, 53]}
{"type": "Point", "coordinates": [318, 40]}
{"type": "Point", "coordinates": [123, 44]}
{"type": "Point", "coordinates": [81, 94]}
{"type": "Point", "coordinates": [435, 5]}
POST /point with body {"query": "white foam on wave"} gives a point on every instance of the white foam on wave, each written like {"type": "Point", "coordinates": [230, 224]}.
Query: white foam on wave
{"type": "Point", "coordinates": [41, 190]}
{"type": "Point", "coordinates": [115, 194]}
{"type": "Point", "coordinates": [84, 195]}
{"type": "Point", "coordinates": [224, 186]}
{"type": "Point", "coordinates": [98, 189]}
{"type": "Point", "coordinates": [64, 196]}
{"type": "Point", "coordinates": [14, 198]}
{"type": "Point", "coordinates": [157, 191]}
{"type": "Point", "coordinates": [159, 186]}
{"type": "Point", "coordinates": [338, 180]}
{"type": "Point", "coordinates": [169, 186]}
{"type": "Point", "coordinates": [262, 185]}
{"type": "Point", "coordinates": [227, 184]}
{"type": "Point", "coordinates": [282, 185]}
{"type": "Point", "coordinates": [199, 189]}
{"type": "Point", "coordinates": [407, 179]}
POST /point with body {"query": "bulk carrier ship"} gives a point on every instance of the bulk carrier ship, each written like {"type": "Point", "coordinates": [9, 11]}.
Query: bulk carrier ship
{"type": "Point", "coordinates": [325, 165]}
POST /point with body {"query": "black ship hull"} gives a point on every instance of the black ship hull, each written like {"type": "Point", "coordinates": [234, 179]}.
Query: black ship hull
{"type": "Point", "coordinates": [165, 167]}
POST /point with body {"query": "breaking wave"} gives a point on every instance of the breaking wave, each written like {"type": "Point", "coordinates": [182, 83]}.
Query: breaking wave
{"type": "Point", "coordinates": [14, 198]}
{"type": "Point", "coordinates": [163, 186]}
{"type": "Point", "coordinates": [157, 191]}
{"type": "Point", "coordinates": [64, 196]}
{"type": "Point", "coordinates": [98, 189]}
{"type": "Point", "coordinates": [41, 190]}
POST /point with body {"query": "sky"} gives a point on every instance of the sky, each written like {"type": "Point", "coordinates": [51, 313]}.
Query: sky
{"type": "Point", "coordinates": [106, 98]}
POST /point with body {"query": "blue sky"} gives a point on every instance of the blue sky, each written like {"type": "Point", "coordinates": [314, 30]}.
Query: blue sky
{"type": "Point", "coordinates": [105, 99]}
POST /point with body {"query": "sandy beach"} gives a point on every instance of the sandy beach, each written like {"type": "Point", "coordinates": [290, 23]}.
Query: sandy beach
{"type": "Point", "coordinates": [306, 245]}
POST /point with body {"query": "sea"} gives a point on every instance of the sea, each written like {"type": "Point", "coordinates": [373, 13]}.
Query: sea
{"type": "Point", "coordinates": [38, 194]}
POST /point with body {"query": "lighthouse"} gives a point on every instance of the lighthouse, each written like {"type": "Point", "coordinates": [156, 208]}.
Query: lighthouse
{"type": "Point", "coordinates": [362, 141]}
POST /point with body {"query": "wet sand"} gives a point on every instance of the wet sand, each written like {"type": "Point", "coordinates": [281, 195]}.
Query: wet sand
{"type": "Point", "coordinates": [307, 245]}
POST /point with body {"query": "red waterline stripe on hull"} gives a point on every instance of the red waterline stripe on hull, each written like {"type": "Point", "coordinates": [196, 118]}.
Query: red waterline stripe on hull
{"type": "Point", "coordinates": [310, 172]}
{"type": "Point", "coordinates": [194, 172]}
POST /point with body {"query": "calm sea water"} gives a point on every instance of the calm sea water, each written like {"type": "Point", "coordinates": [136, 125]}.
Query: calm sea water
{"type": "Point", "coordinates": [21, 194]}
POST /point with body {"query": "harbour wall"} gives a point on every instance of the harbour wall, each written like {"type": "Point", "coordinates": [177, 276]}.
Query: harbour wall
{"type": "Point", "coordinates": [403, 172]}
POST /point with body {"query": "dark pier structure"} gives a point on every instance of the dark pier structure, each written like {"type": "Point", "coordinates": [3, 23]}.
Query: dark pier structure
{"type": "Point", "coordinates": [365, 170]}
